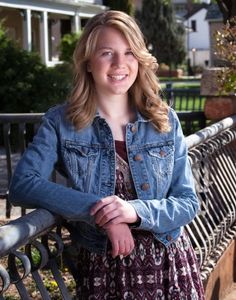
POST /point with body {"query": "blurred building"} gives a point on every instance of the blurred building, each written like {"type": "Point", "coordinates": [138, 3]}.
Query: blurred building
{"type": "Point", "coordinates": [197, 36]}
{"type": "Point", "coordinates": [39, 24]}
{"type": "Point", "coordinates": [193, 16]}
{"type": "Point", "coordinates": [215, 19]}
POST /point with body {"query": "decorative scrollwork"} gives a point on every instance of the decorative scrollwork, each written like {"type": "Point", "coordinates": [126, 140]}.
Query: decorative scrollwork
{"type": "Point", "coordinates": [5, 279]}
{"type": "Point", "coordinates": [19, 266]}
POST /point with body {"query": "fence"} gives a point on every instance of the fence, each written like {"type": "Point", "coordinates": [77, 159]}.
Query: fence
{"type": "Point", "coordinates": [213, 158]}
{"type": "Point", "coordinates": [190, 107]}
{"type": "Point", "coordinates": [212, 152]}
{"type": "Point", "coordinates": [16, 130]}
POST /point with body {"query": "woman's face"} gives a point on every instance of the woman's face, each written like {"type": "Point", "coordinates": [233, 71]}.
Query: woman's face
{"type": "Point", "coordinates": [113, 66]}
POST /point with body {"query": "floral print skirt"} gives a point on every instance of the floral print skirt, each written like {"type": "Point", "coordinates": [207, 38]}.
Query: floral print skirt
{"type": "Point", "coordinates": [150, 272]}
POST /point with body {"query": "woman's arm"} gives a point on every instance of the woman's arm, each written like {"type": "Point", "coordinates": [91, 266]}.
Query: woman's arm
{"type": "Point", "coordinates": [157, 215]}
{"type": "Point", "coordinates": [30, 186]}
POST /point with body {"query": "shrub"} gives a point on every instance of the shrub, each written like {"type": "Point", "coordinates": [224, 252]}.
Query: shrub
{"type": "Point", "coordinates": [226, 51]}
{"type": "Point", "coordinates": [67, 46]}
{"type": "Point", "coordinates": [27, 85]}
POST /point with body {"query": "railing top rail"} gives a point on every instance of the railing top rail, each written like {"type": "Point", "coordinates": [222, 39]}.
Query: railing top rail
{"type": "Point", "coordinates": [183, 90]}
{"type": "Point", "coordinates": [20, 117]}
{"type": "Point", "coordinates": [210, 131]}
{"type": "Point", "coordinates": [24, 229]}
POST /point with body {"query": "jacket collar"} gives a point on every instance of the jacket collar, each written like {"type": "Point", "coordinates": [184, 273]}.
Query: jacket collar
{"type": "Point", "coordinates": [139, 118]}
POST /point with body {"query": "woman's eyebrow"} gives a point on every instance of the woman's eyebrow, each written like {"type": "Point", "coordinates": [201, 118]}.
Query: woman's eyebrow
{"type": "Point", "coordinates": [105, 47]}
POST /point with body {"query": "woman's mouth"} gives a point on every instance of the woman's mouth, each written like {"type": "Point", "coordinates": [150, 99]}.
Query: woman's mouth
{"type": "Point", "coordinates": [117, 77]}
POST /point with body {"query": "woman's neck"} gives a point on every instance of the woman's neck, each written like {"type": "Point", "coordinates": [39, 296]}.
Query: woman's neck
{"type": "Point", "coordinates": [118, 113]}
{"type": "Point", "coordinates": [114, 107]}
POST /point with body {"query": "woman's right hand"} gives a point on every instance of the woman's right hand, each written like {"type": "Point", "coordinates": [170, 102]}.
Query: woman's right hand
{"type": "Point", "coordinates": [121, 239]}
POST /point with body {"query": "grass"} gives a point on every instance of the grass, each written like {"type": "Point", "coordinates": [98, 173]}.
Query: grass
{"type": "Point", "coordinates": [189, 104]}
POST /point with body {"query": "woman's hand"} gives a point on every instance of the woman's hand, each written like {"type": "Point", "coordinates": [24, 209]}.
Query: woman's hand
{"type": "Point", "coordinates": [122, 241]}
{"type": "Point", "coordinates": [113, 210]}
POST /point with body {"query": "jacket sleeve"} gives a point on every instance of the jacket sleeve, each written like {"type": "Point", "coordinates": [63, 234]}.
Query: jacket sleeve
{"type": "Point", "coordinates": [181, 204]}
{"type": "Point", "coordinates": [30, 186]}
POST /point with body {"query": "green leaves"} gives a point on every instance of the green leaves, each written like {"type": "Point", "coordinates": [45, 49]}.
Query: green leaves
{"type": "Point", "coordinates": [67, 46]}
{"type": "Point", "coordinates": [226, 52]}
{"type": "Point", "coordinates": [26, 84]}
{"type": "Point", "coordinates": [162, 32]}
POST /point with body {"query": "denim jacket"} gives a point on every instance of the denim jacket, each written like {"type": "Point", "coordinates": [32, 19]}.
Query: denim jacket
{"type": "Point", "coordinates": [166, 199]}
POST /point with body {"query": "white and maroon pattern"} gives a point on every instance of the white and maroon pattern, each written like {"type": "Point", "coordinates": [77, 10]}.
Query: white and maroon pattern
{"type": "Point", "coordinates": [150, 272]}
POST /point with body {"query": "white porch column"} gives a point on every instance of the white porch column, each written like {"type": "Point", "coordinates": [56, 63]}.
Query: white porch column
{"type": "Point", "coordinates": [44, 47]}
{"type": "Point", "coordinates": [76, 22]}
{"type": "Point", "coordinates": [27, 29]}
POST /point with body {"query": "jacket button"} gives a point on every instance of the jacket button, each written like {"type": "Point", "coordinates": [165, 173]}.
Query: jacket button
{"type": "Point", "coordinates": [133, 129]}
{"type": "Point", "coordinates": [145, 186]}
{"type": "Point", "coordinates": [162, 153]}
{"type": "Point", "coordinates": [169, 238]}
{"type": "Point", "coordinates": [137, 157]}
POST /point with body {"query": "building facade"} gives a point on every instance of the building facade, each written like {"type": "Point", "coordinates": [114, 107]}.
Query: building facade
{"type": "Point", "coordinates": [39, 24]}
{"type": "Point", "coordinates": [197, 37]}
{"type": "Point", "coordinates": [215, 19]}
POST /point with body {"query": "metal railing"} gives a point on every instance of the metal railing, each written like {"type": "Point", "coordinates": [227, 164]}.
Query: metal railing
{"type": "Point", "coordinates": [16, 131]}
{"type": "Point", "coordinates": [212, 152]}
{"type": "Point", "coordinates": [184, 99]}
{"type": "Point", "coordinates": [189, 105]}
{"type": "Point", "coordinates": [213, 158]}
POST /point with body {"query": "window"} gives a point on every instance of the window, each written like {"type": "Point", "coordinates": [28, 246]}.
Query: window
{"type": "Point", "coordinates": [194, 25]}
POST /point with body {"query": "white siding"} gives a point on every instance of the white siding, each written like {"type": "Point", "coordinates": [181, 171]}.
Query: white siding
{"type": "Point", "coordinates": [200, 38]}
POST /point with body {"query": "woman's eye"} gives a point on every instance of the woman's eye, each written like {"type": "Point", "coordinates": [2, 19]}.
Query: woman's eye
{"type": "Point", "coordinates": [129, 53]}
{"type": "Point", "coordinates": [107, 53]}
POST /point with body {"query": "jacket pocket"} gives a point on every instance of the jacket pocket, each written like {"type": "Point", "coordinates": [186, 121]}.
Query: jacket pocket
{"type": "Point", "coordinates": [80, 160]}
{"type": "Point", "coordinates": [162, 162]}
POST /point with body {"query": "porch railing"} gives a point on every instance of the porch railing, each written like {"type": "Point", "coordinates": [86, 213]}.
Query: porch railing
{"type": "Point", "coordinates": [212, 152]}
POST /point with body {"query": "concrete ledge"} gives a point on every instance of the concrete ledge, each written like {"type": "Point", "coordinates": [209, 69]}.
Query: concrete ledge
{"type": "Point", "coordinates": [223, 277]}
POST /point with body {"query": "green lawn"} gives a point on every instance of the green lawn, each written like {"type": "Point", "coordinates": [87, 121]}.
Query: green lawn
{"type": "Point", "coordinates": [185, 101]}
{"type": "Point", "coordinates": [191, 103]}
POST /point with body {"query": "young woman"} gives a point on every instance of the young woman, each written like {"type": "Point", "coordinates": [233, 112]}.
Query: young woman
{"type": "Point", "coordinates": [124, 153]}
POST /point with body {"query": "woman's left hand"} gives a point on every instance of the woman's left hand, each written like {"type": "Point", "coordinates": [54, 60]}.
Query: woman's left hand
{"type": "Point", "coordinates": [113, 210]}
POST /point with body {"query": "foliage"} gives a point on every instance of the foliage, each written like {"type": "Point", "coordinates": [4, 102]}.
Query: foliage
{"type": "Point", "coordinates": [123, 5]}
{"type": "Point", "coordinates": [228, 9]}
{"type": "Point", "coordinates": [165, 37]}
{"type": "Point", "coordinates": [67, 46]}
{"type": "Point", "coordinates": [226, 51]}
{"type": "Point", "coordinates": [27, 85]}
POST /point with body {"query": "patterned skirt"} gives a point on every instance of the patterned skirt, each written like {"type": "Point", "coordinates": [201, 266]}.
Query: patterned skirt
{"type": "Point", "coordinates": [150, 272]}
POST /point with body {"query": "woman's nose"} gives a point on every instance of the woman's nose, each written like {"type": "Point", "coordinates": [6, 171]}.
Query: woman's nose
{"type": "Point", "coordinates": [118, 59]}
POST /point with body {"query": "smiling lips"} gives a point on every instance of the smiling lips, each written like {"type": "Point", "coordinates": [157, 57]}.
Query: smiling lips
{"type": "Point", "coordinates": [117, 77]}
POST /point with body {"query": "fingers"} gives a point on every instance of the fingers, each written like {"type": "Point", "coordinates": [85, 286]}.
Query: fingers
{"type": "Point", "coordinates": [105, 215]}
{"type": "Point", "coordinates": [109, 210]}
{"type": "Point", "coordinates": [102, 203]}
{"type": "Point", "coordinates": [122, 241]}
{"type": "Point", "coordinates": [115, 249]}
{"type": "Point", "coordinates": [122, 248]}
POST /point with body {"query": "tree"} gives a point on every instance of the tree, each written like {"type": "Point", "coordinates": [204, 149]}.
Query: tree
{"type": "Point", "coordinates": [228, 9]}
{"type": "Point", "coordinates": [126, 6]}
{"type": "Point", "coordinates": [165, 37]}
{"type": "Point", "coordinates": [27, 85]}
{"type": "Point", "coordinates": [226, 51]}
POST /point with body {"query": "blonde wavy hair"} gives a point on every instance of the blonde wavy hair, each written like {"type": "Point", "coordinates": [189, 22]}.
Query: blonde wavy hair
{"type": "Point", "coordinates": [144, 92]}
